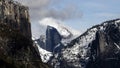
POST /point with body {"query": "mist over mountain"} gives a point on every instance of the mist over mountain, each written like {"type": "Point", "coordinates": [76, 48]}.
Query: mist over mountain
{"type": "Point", "coordinates": [62, 29]}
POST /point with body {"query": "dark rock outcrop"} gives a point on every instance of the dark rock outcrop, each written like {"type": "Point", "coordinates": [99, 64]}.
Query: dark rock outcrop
{"type": "Point", "coordinates": [41, 41]}
{"type": "Point", "coordinates": [16, 16]}
{"type": "Point", "coordinates": [17, 51]}
{"type": "Point", "coordinates": [53, 38]}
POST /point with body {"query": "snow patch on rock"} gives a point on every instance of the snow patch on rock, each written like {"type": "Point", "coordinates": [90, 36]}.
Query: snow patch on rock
{"type": "Point", "coordinates": [45, 55]}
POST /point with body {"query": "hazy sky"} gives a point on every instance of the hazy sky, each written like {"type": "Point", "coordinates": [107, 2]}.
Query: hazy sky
{"type": "Point", "coordinates": [78, 14]}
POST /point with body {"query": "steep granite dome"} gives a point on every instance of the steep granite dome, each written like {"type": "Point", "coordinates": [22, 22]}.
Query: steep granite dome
{"type": "Point", "coordinates": [50, 45]}
{"type": "Point", "coordinates": [53, 38]}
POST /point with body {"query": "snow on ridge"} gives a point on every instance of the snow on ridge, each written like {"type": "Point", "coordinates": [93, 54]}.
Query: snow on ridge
{"type": "Point", "coordinates": [81, 48]}
{"type": "Point", "coordinates": [118, 21]}
{"type": "Point", "coordinates": [45, 55]}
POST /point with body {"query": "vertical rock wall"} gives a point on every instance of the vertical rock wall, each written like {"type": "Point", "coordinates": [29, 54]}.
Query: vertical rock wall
{"type": "Point", "coordinates": [16, 16]}
{"type": "Point", "coordinates": [53, 38]}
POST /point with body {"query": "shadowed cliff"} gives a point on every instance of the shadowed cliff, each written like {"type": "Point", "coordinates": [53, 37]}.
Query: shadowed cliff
{"type": "Point", "coordinates": [15, 15]}
{"type": "Point", "coordinates": [16, 46]}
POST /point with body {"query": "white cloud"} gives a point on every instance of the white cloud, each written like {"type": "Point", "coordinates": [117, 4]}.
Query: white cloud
{"type": "Point", "coordinates": [40, 9]}
{"type": "Point", "coordinates": [50, 22]}
{"type": "Point", "coordinates": [46, 12]}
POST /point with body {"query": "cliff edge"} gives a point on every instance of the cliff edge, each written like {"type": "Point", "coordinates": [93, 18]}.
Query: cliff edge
{"type": "Point", "coordinates": [16, 46]}
{"type": "Point", "coordinates": [16, 16]}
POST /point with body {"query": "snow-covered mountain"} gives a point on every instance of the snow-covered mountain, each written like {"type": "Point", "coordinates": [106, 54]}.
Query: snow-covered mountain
{"type": "Point", "coordinates": [98, 47]}
{"type": "Point", "coordinates": [53, 36]}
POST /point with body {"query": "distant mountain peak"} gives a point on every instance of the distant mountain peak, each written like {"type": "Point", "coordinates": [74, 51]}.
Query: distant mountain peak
{"type": "Point", "coordinates": [64, 31]}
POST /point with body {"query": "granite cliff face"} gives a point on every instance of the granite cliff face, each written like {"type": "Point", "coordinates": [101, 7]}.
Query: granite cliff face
{"type": "Point", "coordinates": [105, 49]}
{"type": "Point", "coordinates": [51, 41]}
{"type": "Point", "coordinates": [53, 38]}
{"type": "Point", "coordinates": [17, 51]}
{"type": "Point", "coordinates": [16, 16]}
{"type": "Point", "coordinates": [16, 46]}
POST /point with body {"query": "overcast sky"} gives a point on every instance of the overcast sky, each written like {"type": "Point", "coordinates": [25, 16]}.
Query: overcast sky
{"type": "Point", "coordinates": [78, 14]}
